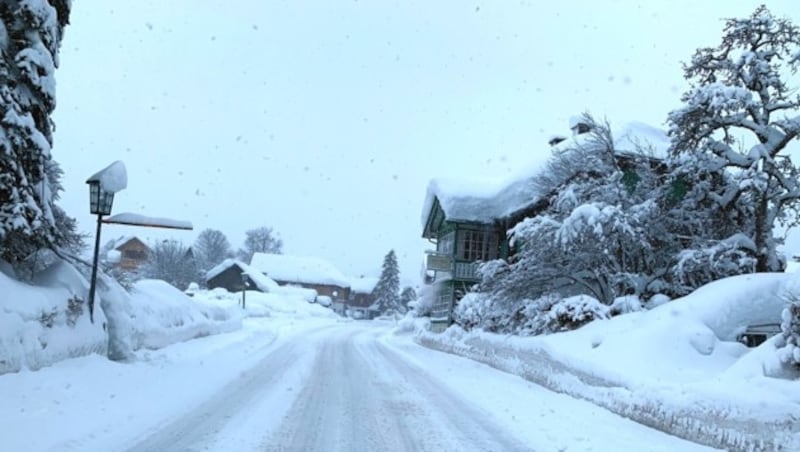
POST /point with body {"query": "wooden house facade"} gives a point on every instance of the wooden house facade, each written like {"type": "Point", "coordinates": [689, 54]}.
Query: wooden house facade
{"type": "Point", "coordinates": [133, 253]}
{"type": "Point", "coordinates": [306, 272]}
{"type": "Point", "coordinates": [468, 225]}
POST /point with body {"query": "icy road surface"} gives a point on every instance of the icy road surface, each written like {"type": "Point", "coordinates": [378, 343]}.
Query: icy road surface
{"type": "Point", "coordinates": [318, 386]}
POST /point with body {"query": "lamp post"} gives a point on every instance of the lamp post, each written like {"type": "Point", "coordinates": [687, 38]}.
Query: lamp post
{"type": "Point", "coordinates": [102, 187]}
{"type": "Point", "coordinates": [244, 288]}
{"type": "Point", "coordinates": [100, 202]}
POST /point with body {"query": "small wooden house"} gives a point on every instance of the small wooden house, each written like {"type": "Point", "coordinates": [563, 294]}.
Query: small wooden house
{"type": "Point", "coordinates": [235, 276]}
{"type": "Point", "coordinates": [362, 296]}
{"type": "Point", "coordinates": [133, 253]}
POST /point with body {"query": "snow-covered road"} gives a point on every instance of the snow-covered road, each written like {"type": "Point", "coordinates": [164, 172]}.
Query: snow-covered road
{"type": "Point", "coordinates": [318, 386]}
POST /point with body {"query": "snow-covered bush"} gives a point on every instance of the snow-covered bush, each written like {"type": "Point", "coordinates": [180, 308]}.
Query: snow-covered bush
{"type": "Point", "coordinates": [696, 267]}
{"type": "Point", "coordinates": [789, 342]}
{"type": "Point", "coordinates": [547, 314]}
{"type": "Point", "coordinates": [490, 313]}
{"type": "Point", "coordinates": [46, 320]}
{"type": "Point", "coordinates": [423, 305]}
{"type": "Point", "coordinates": [625, 305]}
{"type": "Point", "coordinates": [573, 312]}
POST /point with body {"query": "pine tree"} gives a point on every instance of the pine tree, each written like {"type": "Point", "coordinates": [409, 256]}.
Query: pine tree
{"type": "Point", "coordinates": [738, 118]}
{"type": "Point", "coordinates": [30, 37]}
{"type": "Point", "coordinates": [387, 291]}
{"type": "Point", "coordinates": [407, 296]}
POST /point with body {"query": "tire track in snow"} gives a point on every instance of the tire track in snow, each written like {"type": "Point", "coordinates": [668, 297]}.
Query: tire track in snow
{"type": "Point", "coordinates": [363, 397]}
{"type": "Point", "coordinates": [202, 428]}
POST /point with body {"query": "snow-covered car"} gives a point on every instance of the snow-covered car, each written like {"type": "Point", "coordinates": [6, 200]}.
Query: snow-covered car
{"type": "Point", "coordinates": [324, 300]}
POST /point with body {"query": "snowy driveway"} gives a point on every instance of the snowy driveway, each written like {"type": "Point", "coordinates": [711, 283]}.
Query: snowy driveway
{"type": "Point", "coordinates": [325, 386]}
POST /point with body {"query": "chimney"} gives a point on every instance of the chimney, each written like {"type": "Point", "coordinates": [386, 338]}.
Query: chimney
{"type": "Point", "coordinates": [579, 125]}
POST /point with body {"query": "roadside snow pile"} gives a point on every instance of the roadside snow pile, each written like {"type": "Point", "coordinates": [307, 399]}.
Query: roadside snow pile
{"type": "Point", "coordinates": [677, 367]}
{"type": "Point", "coordinates": [287, 301]}
{"type": "Point", "coordinates": [160, 315]}
{"type": "Point", "coordinates": [48, 322]}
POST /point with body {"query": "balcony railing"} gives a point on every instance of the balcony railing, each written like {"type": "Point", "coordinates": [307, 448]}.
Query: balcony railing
{"type": "Point", "coordinates": [466, 271]}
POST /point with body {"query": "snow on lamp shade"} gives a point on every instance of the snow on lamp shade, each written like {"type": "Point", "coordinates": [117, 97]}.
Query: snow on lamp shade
{"type": "Point", "coordinates": [103, 185]}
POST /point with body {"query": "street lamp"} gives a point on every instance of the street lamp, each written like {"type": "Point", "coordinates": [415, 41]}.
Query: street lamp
{"type": "Point", "coordinates": [244, 288]}
{"type": "Point", "coordinates": [102, 187]}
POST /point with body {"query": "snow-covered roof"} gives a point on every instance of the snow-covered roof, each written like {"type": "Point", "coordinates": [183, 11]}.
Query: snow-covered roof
{"type": "Point", "coordinates": [113, 178]}
{"type": "Point", "coordinates": [631, 137]}
{"type": "Point", "coordinates": [262, 282]}
{"type": "Point", "coordinates": [486, 201]}
{"type": "Point", "coordinates": [123, 240]}
{"type": "Point", "coordinates": [481, 202]}
{"type": "Point", "coordinates": [297, 269]}
{"type": "Point", "coordinates": [363, 284]}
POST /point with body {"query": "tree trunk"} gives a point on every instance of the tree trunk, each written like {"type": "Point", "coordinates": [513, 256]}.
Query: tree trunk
{"type": "Point", "coordinates": [763, 231]}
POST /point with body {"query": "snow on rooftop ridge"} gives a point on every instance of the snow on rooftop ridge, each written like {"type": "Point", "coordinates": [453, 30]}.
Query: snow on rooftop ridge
{"type": "Point", "coordinates": [630, 137]}
{"type": "Point", "coordinates": [484, 201]}
{"type": "Point", "coordinates": [113, 178]}
{"type": "Point", "coordinates": [263, 283]}
{"type": "Point", "coordinates": [364, 284]}
{"type": "Point", "coordinates": [298, 269]}
{"type": "Point", "coordinates": [123, 240]}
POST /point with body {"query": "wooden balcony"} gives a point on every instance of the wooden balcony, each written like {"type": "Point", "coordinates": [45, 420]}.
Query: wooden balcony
{"type": "Point", "coordinates": [466, 271]}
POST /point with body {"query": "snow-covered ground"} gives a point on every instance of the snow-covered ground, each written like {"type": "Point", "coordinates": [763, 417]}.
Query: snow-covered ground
{"type": "Point", "coordinates": [677, 367]}
{"type": "Point", "coordinates": [302, 383]}
{"type": "Point", "coordinates": [286, 374]}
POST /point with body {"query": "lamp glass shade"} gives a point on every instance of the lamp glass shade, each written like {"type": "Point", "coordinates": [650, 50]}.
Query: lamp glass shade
{"type": "Point", "coordinates": [94, 197]}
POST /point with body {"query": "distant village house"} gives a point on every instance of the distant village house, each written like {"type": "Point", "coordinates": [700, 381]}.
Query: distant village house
{"type": "Point", "coordinates": [133, 253]}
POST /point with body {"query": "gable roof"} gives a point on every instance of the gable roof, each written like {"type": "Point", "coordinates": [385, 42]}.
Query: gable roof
{"type": "Point", "coordinates": [124, 240]}
{"type": "Point", "coordinates": [298, 269]}
{"type": "Point", "coordinates": [364, 284]}
{"type": "Point", "coordinates": [264, 283]}
{"type": "Point", "coordinates": [486, 201]}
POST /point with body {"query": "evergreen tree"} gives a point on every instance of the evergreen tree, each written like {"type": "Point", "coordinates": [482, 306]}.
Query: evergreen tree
{"type": "Point", "coordinates": [30, 36]}
{"type": "Point", "coordinates": [387, 291]}
{"type": "Point", "coordinates": [730, 136]}
{"type": "Point", "coordinates": [260, 240]}
{"type": "Point", "coordinates": [407, 296]}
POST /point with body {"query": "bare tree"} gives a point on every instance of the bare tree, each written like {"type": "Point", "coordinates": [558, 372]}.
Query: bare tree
{"type": "Point", "coordinates": [260, 240]}
{"type": "Point", "coordinates": [739, 116]}
{"type": "Point", "coordinates": [211, 248]}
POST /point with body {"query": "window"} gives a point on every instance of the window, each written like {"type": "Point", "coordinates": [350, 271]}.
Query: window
{"type": "Point", "coordinates": [445, 244]}
{"type": "Point", "coordinates": [476, 245]}
{"type": "Point", "coordinates": [134, 254]}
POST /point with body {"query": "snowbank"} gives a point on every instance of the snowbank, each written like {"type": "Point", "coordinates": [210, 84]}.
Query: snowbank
{"type": "Point", "coordinates": [161, 315]}
{"type": "Point", "coordinates": [676, 367]}
{"type": "Point", "coordinates": [48, 322]}
{"type": "Point", "coordinates": [259, 304]}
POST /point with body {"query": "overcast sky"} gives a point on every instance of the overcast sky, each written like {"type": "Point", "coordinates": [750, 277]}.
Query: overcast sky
{"type": "Point", "coordinates": [325, 120]}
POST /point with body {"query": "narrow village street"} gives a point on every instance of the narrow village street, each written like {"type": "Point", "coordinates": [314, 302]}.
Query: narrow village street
{"type": "Point", "coordinates": [352, 386]}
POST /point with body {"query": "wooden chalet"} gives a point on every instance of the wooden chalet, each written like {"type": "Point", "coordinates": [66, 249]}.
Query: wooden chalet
{"type": "Point", "coordinates": [133, 253]}
{"type": "Point", "coordinates": [235, 276]}
{"type": "Point", "coordinates": [467, 222]}
{"type": "Point", "coordinates": [362, 297]}
{"type": "Point", "coordinates": [307, 272]}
